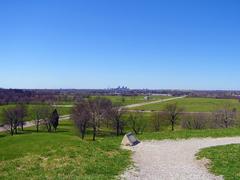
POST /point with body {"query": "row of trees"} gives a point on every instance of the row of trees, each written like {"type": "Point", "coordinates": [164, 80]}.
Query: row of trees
{"type": "Point", "coordinates": [14, 117]}
{"type": "Point", "coordinates": [97, 113]}
{"type": "Point", "coordinates": [222, 118]}
{"type": "Point", "coordinates": [92, 113]}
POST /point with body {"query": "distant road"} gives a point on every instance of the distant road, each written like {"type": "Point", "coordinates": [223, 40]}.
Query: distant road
{"type": "Point", "coordinates": [153, 102]}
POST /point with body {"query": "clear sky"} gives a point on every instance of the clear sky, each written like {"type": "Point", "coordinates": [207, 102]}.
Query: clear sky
{"type": "Point", "coordinates": [157, 44]}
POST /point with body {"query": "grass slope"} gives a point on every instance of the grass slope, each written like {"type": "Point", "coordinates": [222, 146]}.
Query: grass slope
{"type": "Point", "coordinates": [60, 155]}
{"type": "Point", "coordinates": [194, 104]}
{"type": "Point", "coordinates": [225, 160]}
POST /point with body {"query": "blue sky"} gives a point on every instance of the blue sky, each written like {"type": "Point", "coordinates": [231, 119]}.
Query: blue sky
{"type": "Point", "coordinates": [157, 44]}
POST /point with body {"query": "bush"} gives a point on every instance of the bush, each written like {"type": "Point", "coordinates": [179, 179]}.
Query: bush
{"type": "Point", "coordinates": [136, 122]}
{"type": "Point", "coordinates": [224, 118]}
{"type": "Point", "coordinates": [196, 121]}
{"type": "Point", "coordinates": [158, 121]}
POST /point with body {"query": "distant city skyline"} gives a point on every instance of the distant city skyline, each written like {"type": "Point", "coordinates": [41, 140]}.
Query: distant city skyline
{"type": "Point", "coordinates": [91, 44]}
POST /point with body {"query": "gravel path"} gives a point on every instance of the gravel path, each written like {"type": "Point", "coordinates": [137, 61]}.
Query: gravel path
{"type": "Point", "coordinates": [173, 159]}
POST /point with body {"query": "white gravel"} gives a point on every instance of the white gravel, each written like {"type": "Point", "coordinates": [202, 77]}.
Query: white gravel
{"type": "Point", "coordinates": [173, 159]}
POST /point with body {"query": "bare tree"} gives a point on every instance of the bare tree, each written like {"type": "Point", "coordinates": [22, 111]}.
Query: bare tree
{"type": "Point", "coordinates": [43, 116]}
{"type": "Point", "coordinates": [81, 116]}
{"type": "Point", "coordinates": [156, 121]}
{"type": "Point", "coordinates": [98, 109]}
{"type": "Point", "coordinates": [225, 117]}
{"type": "Point", "coordinates": [136, 122]}
{"type": "Point", "coordinates": [39, 115]}
{"type": "Point", "coordinates": [173, 113]}
{"type": "Point", "coordinates": [10, 119]}
{"type": "Point", "coordinates": [115, 114]}
{"type": "Point", "coordinates": [195, 121]}
{"type": "Point", "coordinates": [91, 112]}
{"type": "Point", "coordinates": [21, 113]}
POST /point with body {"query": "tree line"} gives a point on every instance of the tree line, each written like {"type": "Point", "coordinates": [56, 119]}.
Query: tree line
{"type": "Point", "coordinates": [98, 113]}
{"type": "Point", "coordinates": [14, 117]}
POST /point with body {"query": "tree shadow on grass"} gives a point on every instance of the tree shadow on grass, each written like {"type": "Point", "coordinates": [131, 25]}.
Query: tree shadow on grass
{"type": "Point", "coordinates": [2, 135]}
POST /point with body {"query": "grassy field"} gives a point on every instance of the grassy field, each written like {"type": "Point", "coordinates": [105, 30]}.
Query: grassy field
{"type": "Point", "coordinates": [186, 134]}
{"type": "Point", "coordinates": [127, 100]}
{"type": "Point", "coordinates": [194, 104]}
{"type": "Point", "coordinates": [61, 155]}
{"type": "Point", "coordinates": [225, 160]}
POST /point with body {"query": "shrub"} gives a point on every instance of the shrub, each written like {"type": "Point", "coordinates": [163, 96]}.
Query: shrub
{"type": "Point", "coordinates": [196, 121]}
{"type": "Point", "coordinates": [136, 122]}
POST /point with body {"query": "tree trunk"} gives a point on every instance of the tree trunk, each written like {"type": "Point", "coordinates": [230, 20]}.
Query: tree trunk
{"type": "Point", "coordinates": [94, 133]}
{"type": "Point", "coordinates": [37, 125]}
{"type": "Point", "coordinates": [172, 126]}
{"type": "Point", "coordinates": [83, 134]}
{"type": "Point", "coordinates": [11, 129]}
{"type": "Point", "coordinates": [118, 127]}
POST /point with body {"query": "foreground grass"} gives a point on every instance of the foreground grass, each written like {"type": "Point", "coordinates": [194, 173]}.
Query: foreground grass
{"type": "Point", "coordinates": [225, 160]}
{"type": "Point", "coordinates": [60, 155]}
{"type": "Point", "coordinates": [194, 104]}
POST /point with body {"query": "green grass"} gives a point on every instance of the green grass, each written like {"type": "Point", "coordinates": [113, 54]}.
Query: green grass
{"type": "Point", "coordinates": [118, 100]}
{"type": "Point", "coordinates": [194, 104]}
{"type": "Point", "coordinates": [61, 155]}
{"type": "Point", "coordinates": [225, 160]}
{"type": "Point", "coordinates": [186, 134]}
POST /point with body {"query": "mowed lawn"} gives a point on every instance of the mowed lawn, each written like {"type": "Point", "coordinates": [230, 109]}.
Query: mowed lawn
{"type": "Point", "coordinates": [61, 155]}
{"type": "Point", "coordinates": [224, 160]}
{"type": "Point", "coordinates": [194, 104]}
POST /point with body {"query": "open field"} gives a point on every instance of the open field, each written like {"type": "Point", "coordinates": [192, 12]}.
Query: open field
{"type": "Point", "coordinates": [194, 104]}
{"type": "Point", "coordinates": [60, 155]}
{"type": "Point", "coordinates": [224, 160]}
{"type": "Point", "coordinates": [127, 100]}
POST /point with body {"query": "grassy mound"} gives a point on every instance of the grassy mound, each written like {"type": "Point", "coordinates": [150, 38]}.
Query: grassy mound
{"type": "Point", "coordinates": [60, 155]}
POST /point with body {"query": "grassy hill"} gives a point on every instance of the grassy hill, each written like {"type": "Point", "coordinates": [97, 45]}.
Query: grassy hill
{"type": "Point", "coordinates": [61, 155]}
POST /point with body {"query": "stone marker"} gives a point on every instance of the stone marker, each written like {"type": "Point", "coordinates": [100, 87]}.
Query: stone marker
{"type": "Point", "coordinates": [129, 140]}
